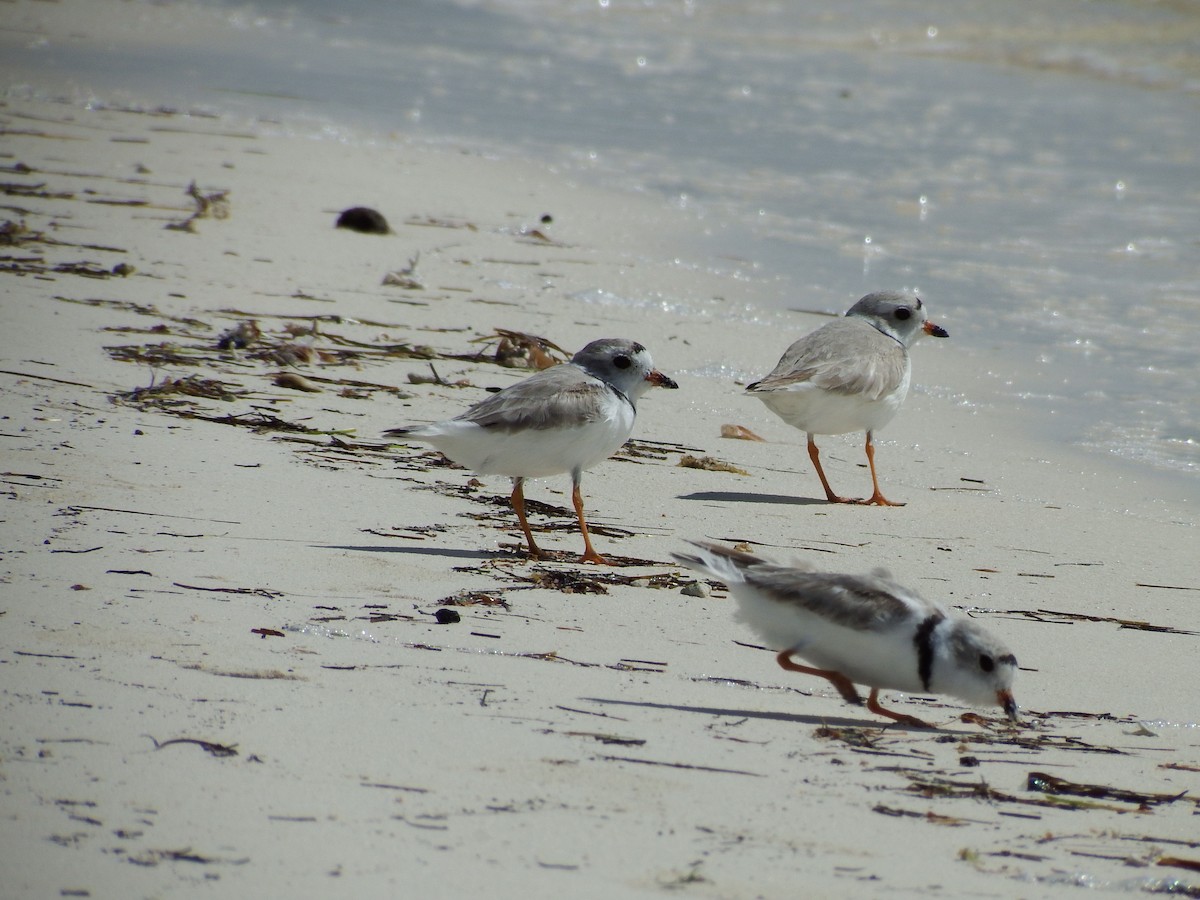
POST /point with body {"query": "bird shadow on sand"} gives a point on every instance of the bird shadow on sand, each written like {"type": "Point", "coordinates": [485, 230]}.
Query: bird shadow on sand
{"type": "Point", "coordinates": [452, 552]}
{"type": "Point", "coordinates": [742, 497]}
{"type": "Point", "coordinates": [794, 718]}
{"type": "Point", "coordinates": [568, 557]}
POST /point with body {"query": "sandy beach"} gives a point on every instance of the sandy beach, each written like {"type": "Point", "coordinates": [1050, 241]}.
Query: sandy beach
{"type": "Point", "coordinates": [222, 674]}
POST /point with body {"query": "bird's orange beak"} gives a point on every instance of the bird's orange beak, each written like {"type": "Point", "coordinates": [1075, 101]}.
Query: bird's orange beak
{"type": "Point", "coordinates": [935, 330]}
{"type": "Point", "coordinates": [658, 378]}
{"type": "Point", "coordinates": [1007, 703]}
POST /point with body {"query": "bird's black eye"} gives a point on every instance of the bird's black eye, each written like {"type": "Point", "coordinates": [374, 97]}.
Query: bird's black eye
{"type": "Point", "coordinates": [622, 362]}
{"type": "Point", "coordinates": [903, 313]}
{"type": "Point", "coordinates": [986, 662]}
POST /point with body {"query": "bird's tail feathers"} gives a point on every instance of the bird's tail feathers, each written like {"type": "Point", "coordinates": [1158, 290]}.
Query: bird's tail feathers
{"type": "Point", "coordinates": [724, 563]}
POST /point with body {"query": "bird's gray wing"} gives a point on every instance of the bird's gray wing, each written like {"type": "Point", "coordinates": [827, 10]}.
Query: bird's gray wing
{"type": "Point", "coordinates": [846, 356]}
{"type": "Point", "coordinates": [861, 602]}
{"type": "Point", "coordinates": [870, 602]}
{"type": "Point", "coordinates": [560, 397]}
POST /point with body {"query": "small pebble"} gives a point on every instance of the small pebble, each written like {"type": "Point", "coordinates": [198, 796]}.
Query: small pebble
{"type": "Point", "coordinates": [447, 616]}
{"type": "Point", "coordinates": [696, 589]}
{"type": "Point", "coordinates": [364, 220]}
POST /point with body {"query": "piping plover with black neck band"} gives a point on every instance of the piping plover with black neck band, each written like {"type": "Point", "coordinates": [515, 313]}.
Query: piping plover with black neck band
{"type": "Point", "coordinates": [849, 375]}
{"type": "Point", "coordinates": [564, 419]}
{"type": "Point", "coordinates": [863, 629]}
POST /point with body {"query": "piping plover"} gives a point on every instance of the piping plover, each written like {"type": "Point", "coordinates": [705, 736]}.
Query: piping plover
{"type": "Point", "coordinates": [862, 628]}
{"type": "Point", "coordinates": [849, 375]}
{"type": "Point", "coordinates": [563, 419]}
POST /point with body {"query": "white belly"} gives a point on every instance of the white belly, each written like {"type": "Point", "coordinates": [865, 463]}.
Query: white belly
{"type": "Point", "coordinates": [876, 659]}
{"type": "Point", "coordinates": [531, 453]}
{"type": "Point", "coordinates": [818, 411]}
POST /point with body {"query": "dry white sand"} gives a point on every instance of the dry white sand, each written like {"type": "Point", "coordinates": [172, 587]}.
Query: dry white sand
{"type": "Point", "coordinates": [220, 673]}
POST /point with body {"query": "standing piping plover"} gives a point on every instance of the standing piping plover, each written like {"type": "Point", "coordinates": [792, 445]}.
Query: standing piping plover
{"type": "Point", "coordinates": [563, 419]}
{"type": "Point", "coordinates": [849, 375]}
{"type": "Point", "coordinates": [862, 628]}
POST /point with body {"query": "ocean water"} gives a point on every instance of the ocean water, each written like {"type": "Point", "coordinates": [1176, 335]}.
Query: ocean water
{"type": "Point", "coordinates": [1032, 169]}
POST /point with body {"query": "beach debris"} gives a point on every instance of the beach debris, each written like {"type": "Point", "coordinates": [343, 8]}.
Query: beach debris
{"type": "Point", "coordinates": [696, 589]}
{"type": "Point", "coordinates": [83, 269]}
{"type": "Point", "coordinates": [13, 233]}
{"type": "Point", "coordinates": [537, 236]}
{"type": "Point", "coordinates": [851, 737]}
{"type": "Point", "coordinates": [517, 349]}
{"type": "Point", "coordinates": [377, 613]}
{"type": "Point", "coordinates": [640, 448]}
{"type": "Point", "coordinates": [604, 738]}
{"type": "Point", "coordinates": [406, 277]}
{"type": "Point", "coordinates": [151, 858]}
{"type": "Point", "coordinates": [292, 354]}
{"type": "Point", "coordinates": [932, 786]}
{"type": "Point", "coordinates": [533, 234]}
{"type": "Point", "coordinates": [240, 336]}
{"type": "Point", "coordinates": [740, 433]}
{"type": "Point", "coordinates": [576, 581]}
{"type": "Point", "coordinates": [257, 592]}
{"type": "Point", "coordinates": [296, 382]}
{"type": "Point", "coordinates": [474, 598]}
{"type": "Point", "coordinates": [447, 616]}
{"type": "Point", "coordinates": [34, 190]}
{"type": "Point", "coordinates": [1057, 617]}
{"type": "Point", "coordinates": [210, 747]}
{"type": "Point", "coordinates": [140, 309]}
{"type": "Point", "coordinates": [1052, 784]}
{"type": "Point", "coordinates": [265, 633]}
{"type": "Point", "coordinates": [440, 222]}
{"type": "Point", "coordinates": [1190, 864]}
{"type": "Point", "coordinates": [710, 464]}
{"type": "Point", "coordinates": [256, 420]}
{"type": "Point", "coordinates": [1002, 735]}
{"type": "Point", "coordinates": [681, 765]}
{"type": "Point", "coordinates": [931, 817]}
{"type": "Point", "coordinates": [213, 205]}
{"type": "Point", "coordinates": [640, 665]}
{"type": "Point", "coordinates": [364, 220]}
{"type": "Point", "coordinates": [1182, 767]}
{"type": "Point", "coordinates": [159, 395]}
{"type": "Point", "coordinates": [249, 674]}
{"type": "Point", "coordinates": [435, 378]}
{"type": "Point", "coordinates": [565, 582]}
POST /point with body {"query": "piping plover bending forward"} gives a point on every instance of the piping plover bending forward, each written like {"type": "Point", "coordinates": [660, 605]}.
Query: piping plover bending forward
{"type": "Point", "coordinates": [849, 375]}
{"type": "Point", "coordinates": [862, 628]}
{"type": "Point", "coordinates": [563, 419]}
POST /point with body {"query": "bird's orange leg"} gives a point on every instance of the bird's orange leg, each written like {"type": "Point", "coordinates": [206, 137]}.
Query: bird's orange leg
{"type": "Point", "coordinates": [874, 706]}
{"type": "Point", "coordinates": [589, 552]}
{"type": "Point", "coordinates": [843, 684]}
{"type": "Point", "coordinates": [815, 455]}
{"type": "Point", "coordinates": [877, 498]}
{"type": "Point", "coordinates": [518, 504]}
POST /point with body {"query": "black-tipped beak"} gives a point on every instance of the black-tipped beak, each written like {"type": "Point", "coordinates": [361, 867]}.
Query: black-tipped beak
{"type": "Point", "coordinates": [1008, 704]}
{"type": "Point", "coordinates": [935, 330]}
{"type": "Point", "coordinates": [658, 378]}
